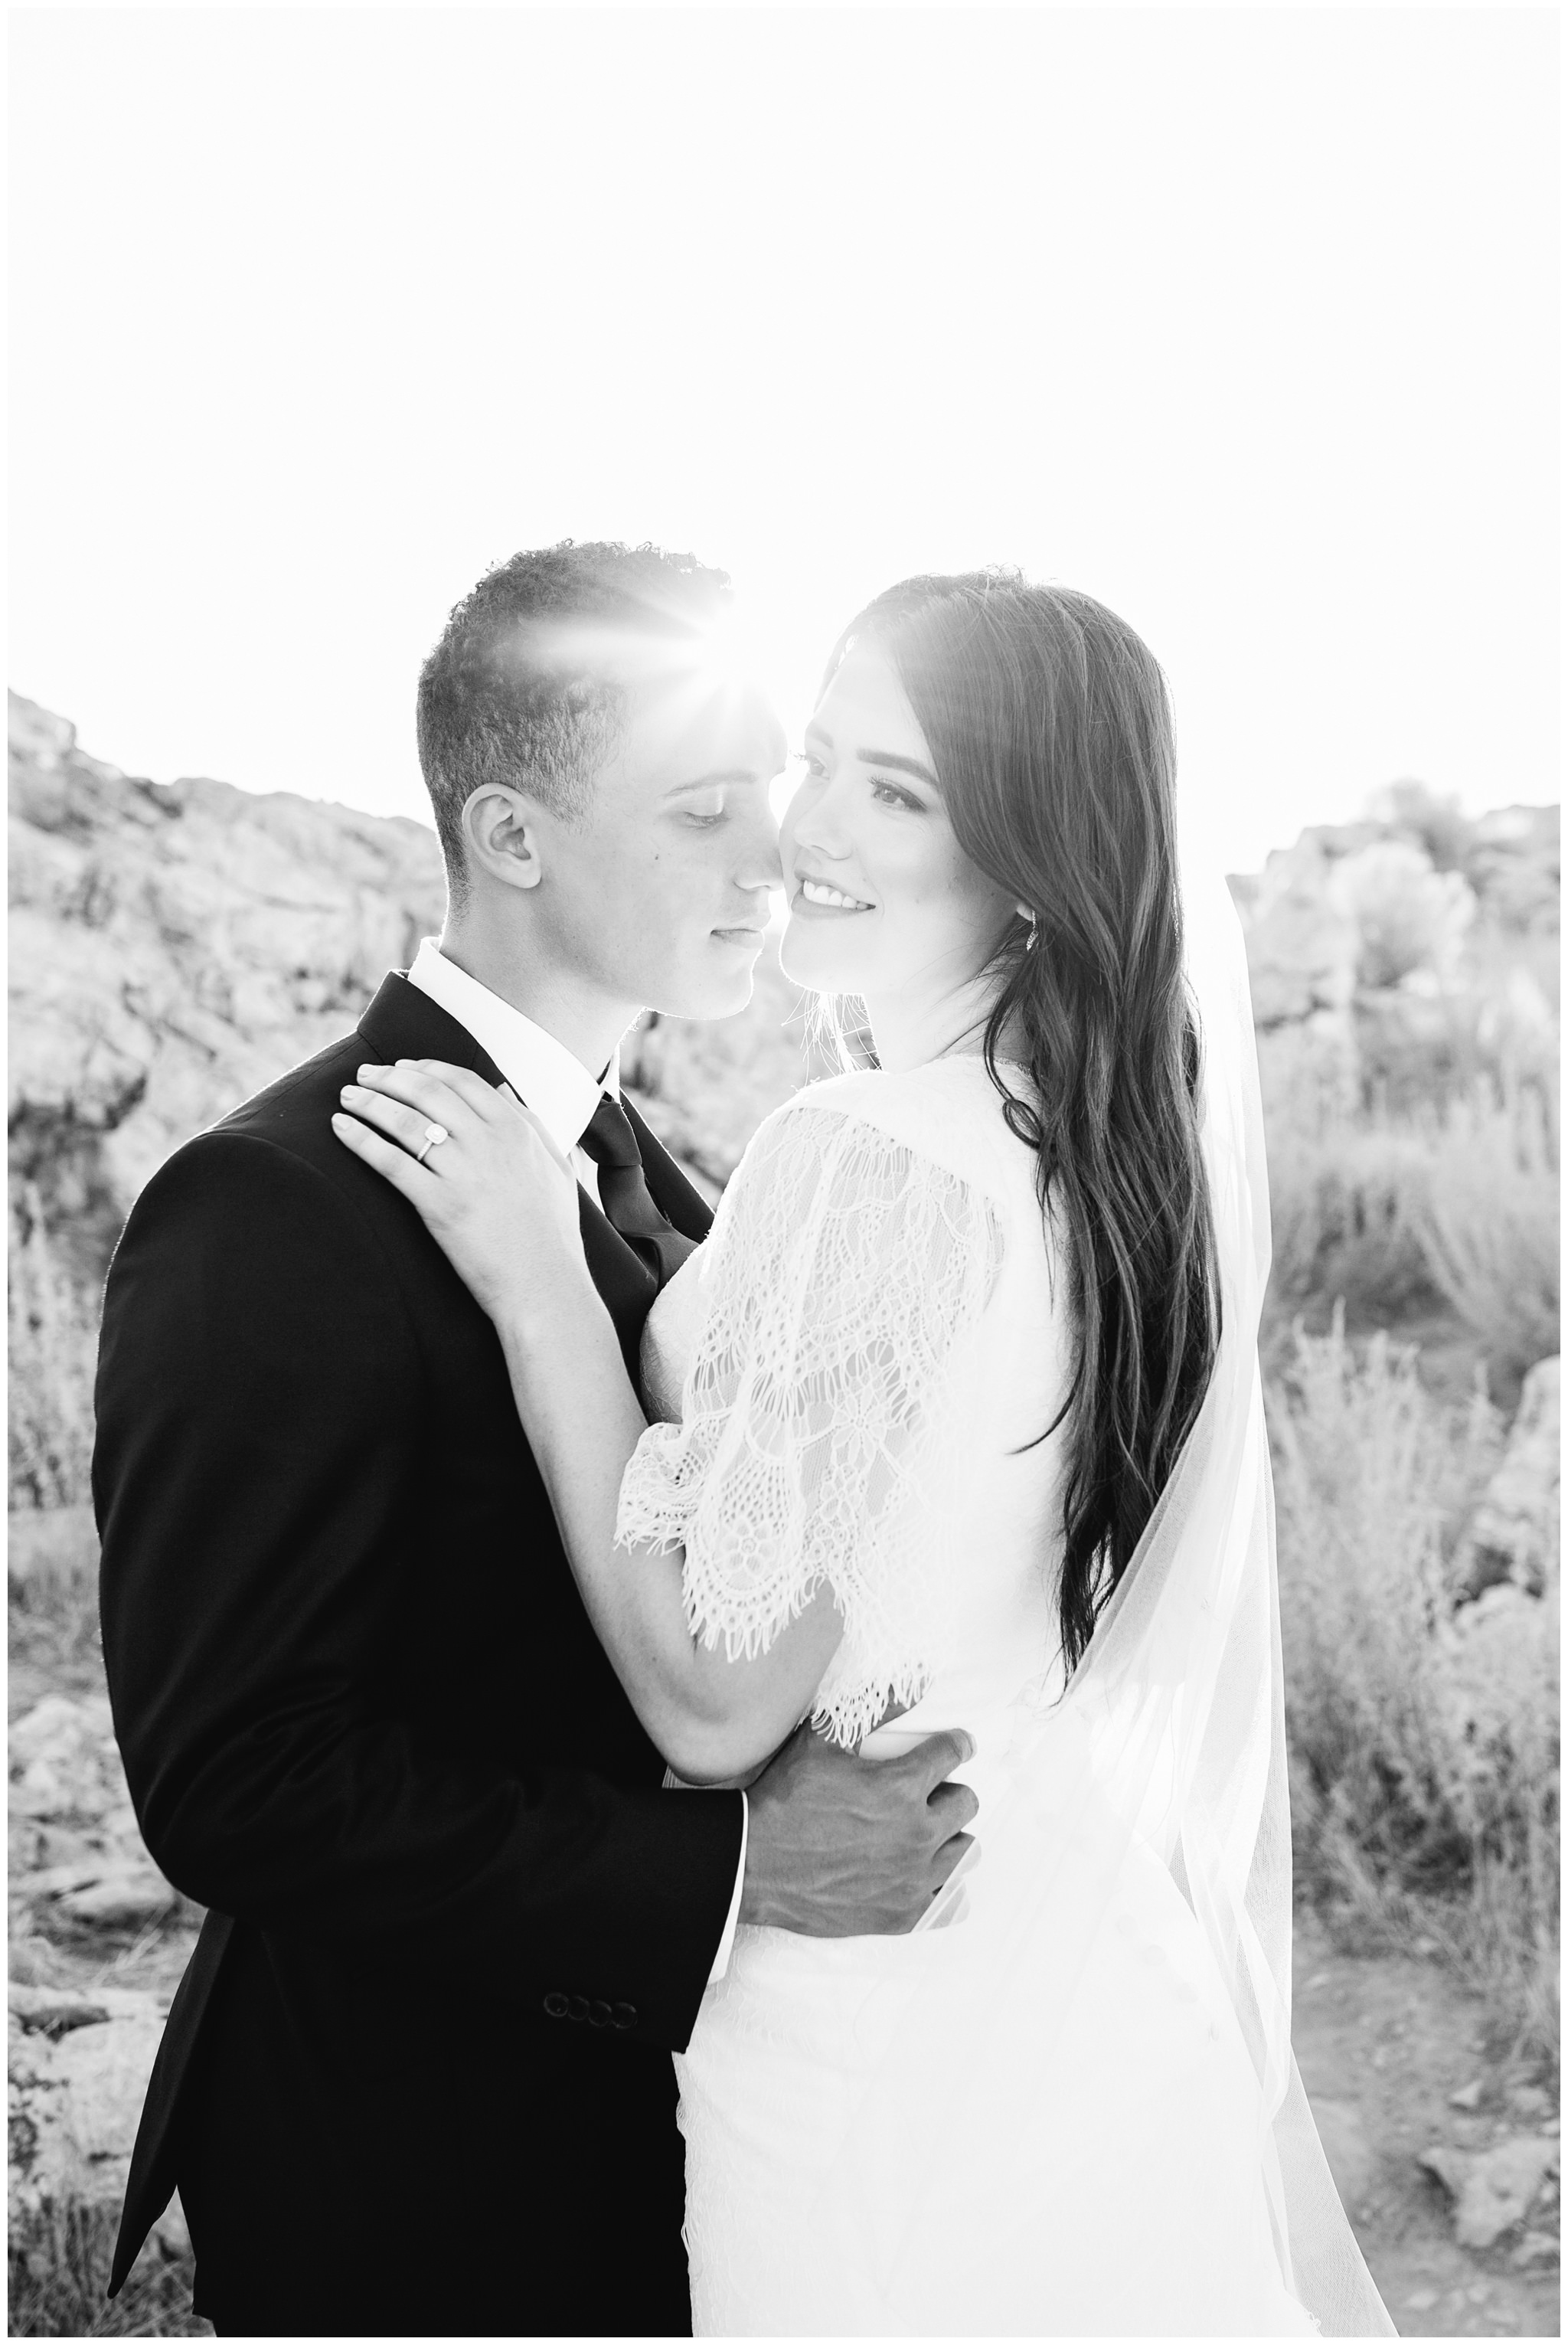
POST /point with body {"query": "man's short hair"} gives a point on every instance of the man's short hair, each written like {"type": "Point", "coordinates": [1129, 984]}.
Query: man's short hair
{"type": "Point", "coordinates": [529, 683]}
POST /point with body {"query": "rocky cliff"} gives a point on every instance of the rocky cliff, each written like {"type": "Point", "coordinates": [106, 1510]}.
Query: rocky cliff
{"type": "Point", "coordinates": [173, 947]}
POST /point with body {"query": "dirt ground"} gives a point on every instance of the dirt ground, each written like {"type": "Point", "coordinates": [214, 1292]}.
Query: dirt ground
{"type": "Point", "coordinates": [1382, 2042]}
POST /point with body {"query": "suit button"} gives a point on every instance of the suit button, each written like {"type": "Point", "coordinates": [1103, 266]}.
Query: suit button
{"type": "Point", "coordinates": [624, 2015]}
{"type": "Point", "coordinates": [556, 2006]}
{"type": "Point", "coordinates": [599, 2015]}
{"type": "Point", "coordinates": [577, 2007]}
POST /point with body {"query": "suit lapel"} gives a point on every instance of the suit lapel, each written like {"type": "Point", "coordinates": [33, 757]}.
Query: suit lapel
{"type": "Point", "coordinates": [402, 1023]}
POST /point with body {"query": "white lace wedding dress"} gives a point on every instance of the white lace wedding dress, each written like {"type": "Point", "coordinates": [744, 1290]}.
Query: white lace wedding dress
{"type": "Point", "coordinates": [1050, 2115]}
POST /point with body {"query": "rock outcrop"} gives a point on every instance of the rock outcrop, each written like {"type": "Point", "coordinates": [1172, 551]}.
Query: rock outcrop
{"type": "Point", "coordinates": [173, 948]}
{"type": "Point", "coordinates": [77, 2068]}
{"type": "Point", "coordinates": [78, 2058]}
{"type": "Point", "coordinates": [1412, 949]}
{"type": "Point", "coordinates": [74, 1843]}
{"type": "Point", "coordinates": [1493, 2189]}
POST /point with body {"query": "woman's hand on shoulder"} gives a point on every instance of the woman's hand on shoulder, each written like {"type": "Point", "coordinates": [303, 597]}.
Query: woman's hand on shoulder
{"type": "Point", "coordinates": [477, 1169]}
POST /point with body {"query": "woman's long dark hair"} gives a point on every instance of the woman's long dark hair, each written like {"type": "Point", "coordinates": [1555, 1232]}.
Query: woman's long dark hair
{"type": "Point", "coordinates": [1050, 728]}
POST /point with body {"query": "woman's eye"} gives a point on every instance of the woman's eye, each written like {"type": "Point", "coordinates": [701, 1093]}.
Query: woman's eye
{"type": "Point", "coordinates": [889, 794]}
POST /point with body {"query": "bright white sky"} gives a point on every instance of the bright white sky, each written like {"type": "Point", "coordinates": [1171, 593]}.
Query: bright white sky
{"type": "Point", "coordinates": [1244, 320]}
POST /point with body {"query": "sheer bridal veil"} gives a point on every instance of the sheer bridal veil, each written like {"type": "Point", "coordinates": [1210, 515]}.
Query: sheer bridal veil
{"type": "Point", "coordinates": [1171, 1733]}
{"type": "Point", "coordinates": [1183, 1679]}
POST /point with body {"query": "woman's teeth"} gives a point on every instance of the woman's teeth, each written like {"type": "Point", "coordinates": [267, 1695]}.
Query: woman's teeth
{"type": "Point", "coordinates": [816, 893]}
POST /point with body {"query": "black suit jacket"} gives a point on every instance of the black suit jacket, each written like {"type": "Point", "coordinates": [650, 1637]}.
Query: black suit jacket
{"type": "Point", "coordinates": [418, 2080]}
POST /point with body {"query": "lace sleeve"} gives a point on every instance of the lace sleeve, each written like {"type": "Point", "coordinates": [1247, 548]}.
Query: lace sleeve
{"type": "Point", "coordinates": [818, 1421]}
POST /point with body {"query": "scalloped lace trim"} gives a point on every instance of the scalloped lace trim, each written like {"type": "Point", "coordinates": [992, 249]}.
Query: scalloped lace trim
{"type": "Point", "coordinates": [820, 1431]}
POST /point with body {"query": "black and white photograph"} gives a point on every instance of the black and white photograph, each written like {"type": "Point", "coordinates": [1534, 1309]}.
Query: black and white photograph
{"type": "Point", "coordinates": [783, 1214]}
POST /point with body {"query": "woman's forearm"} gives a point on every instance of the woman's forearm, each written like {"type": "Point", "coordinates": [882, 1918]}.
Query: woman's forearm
{"type": "Point", "coordinates": [583, 1420]}
{"type": "Point", "coordinates": [712, 1718]}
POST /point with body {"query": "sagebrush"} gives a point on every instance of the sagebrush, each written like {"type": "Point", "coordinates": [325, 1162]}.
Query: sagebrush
{"type": "Point", "coordinates": [1403, 1218]}
{"type": "Point", "coordinates": [51, 1337]}
{"type": "Point", "coordinates": [1489, 1229]}
{"type": "Point", "coordinates": [1423, 1733]}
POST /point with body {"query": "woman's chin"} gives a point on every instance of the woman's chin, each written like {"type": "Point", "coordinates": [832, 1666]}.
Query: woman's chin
{"type": "Point", "coordinates": [823, 959]}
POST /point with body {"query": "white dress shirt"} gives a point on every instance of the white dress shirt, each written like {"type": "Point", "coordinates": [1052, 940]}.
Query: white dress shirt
{"type": "Point", "coordinates": [563, 1095]}
{"type": "Point", "coordinates": [542, 1071]}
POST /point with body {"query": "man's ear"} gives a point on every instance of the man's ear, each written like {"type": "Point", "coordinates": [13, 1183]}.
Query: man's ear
{"type": "Point", "coordinates": [504, 833]}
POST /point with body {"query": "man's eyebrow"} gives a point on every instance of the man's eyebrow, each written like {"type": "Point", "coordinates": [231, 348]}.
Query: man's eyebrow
{"type": "Point", "coordinates": [714, 781]}
{"type": "Point", "coordinates": [900, 765]}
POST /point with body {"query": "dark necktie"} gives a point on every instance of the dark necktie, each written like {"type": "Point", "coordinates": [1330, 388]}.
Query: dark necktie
{"type": "Point", "coordinates": [611, 1141]}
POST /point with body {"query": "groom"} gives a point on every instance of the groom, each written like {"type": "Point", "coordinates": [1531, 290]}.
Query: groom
{"type": "Point", "coordinates": [417, 2079]}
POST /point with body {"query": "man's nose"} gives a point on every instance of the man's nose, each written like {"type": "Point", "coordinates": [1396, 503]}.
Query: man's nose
{"type": "Point", "coordinates": [759, 866]}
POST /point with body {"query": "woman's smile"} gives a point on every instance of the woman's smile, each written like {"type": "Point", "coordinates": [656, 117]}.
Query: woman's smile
{"type": "Point", "coordinates": [816, 896]}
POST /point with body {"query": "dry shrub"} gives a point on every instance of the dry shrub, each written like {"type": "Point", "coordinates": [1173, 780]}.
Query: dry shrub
{"type": "Point", "coordinates": [1410, 917]}
{"type": "Point", "coordinates": [53, 1590]}
{"type": "Point", "coordinates": [1349, 1210]}
{"type": "Point", "coordinates": [59, 2262]}
{"type": "Point", "coordinates": [1347, 1189]}
{"type": "Point", "coordinates": [1424, 1742]}
{"type": "Point", "coordinates": [1489, 1229]}
{"type": "Point", "coordinates": [1370, 1477]}
{"type": "Point", "coordinates": [1500, 1661]}
{"type": "Point", "coordinates": [52, 1335]}
{"type": "Point", "coordinates": [1401, 1217]}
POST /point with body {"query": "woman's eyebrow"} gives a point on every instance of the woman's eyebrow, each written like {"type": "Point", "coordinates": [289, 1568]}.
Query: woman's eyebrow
{"type": "Point", "coordinates": [900, 765]}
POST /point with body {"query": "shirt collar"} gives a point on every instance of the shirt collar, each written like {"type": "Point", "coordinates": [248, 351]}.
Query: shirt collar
{"type": "Point", "coordinates": [542, 1071]}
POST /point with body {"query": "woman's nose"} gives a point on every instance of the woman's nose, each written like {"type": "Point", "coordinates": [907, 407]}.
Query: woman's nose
{"type": "Point", "coordinates": [813, 820]}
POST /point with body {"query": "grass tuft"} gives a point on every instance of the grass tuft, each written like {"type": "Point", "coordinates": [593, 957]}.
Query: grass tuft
{"type": "Point", "coordinates": [58, 2268]}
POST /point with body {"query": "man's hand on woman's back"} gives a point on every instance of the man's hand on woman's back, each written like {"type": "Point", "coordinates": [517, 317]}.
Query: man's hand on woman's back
{"type": "Point", "coordinates": [844, 1847]}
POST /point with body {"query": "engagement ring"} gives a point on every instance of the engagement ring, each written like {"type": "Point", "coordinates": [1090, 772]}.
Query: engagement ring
{"type": "Point", "coordinates": [434, 1135]}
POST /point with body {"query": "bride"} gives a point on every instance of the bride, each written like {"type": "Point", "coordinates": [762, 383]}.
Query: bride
{"type": "Point", "coordinates": [958, 1421]}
